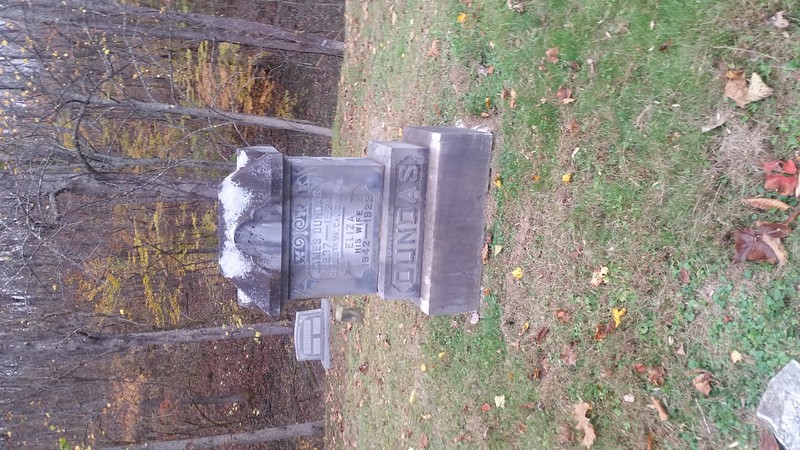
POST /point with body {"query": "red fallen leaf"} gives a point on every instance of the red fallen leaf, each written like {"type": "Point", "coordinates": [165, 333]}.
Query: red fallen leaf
{"type": "Point", "coordinates": [602, 330]}
{"type": "Point", "coordinates": [542, 334]}
{"type": "Point", "coordinates": [781, 176]}
{"type": "Point", "coordinates": [656, 375]}
{"type": "Point", "coordinates": [363, 368]}
{"type": "Point", "coordinates": [639, 368]}
{"type": "Point", "coordinates": [485, 407]}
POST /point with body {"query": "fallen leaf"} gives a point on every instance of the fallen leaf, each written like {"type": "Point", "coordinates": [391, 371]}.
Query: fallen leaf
{"type": "Point", "coordinates": [485, 407]}
{"type": "Point", "coordinates": [766, 203]}
{"type": "Point", "coordinates": [498, 180]}
{"type": "Point", "coordinates": [462, 437]}
{"type": "Point", "coordinates": [736, 87]}
{"type": "Point", "coordinates": [583, 423]}
{"type": "Point", "coordinates": [542, 334]}
{"type": "Point", "coordinates": [681, 351]}
{"type": "Point", "coordinates": [433, 52]}
{"type": "Point", "coordinates": [474, 318]}
{"type": "Point", "coordinates": [517, 273]}
{"type": "Point", "coordinates": [768, 441]}
{"type": "Point", "coordinates": [551, 55]}
{"type": "Point", "coordinates": [602, 330]}
{"type": "Point", "coordinates": [413, 397]}
{"type": "Point", "coordinates": [461, 17]}
{"type": "Point", "coordinates": [423, 367]}
{"type": "Point", "coordinates": [628, 398]}
{"type": "Point", "coordinates": [662, 413]}
{"type": "Point", "coordinates": [567, 177]}
{"type": "Point", "coordinates": [736, 357]}
{"type": "Point", "coordinates": [599, 276]}
{"type": "Point", "coordinates": [684, 276]}
{"type": "Point", "coordinates": [639, 368]}
{"type": "Point", "coordinates": [572, 127]}
{"type": "Point", "coordinates": [758, 90]}
{"type": "Point", "coordinates": [512, 103]}
{"type": "Point", "coordinates": [500, 401]}
{"type": "Point", "coordinates": [522, 428]}
{"type": "Point", "coordinates": [651, 445]}
{"type": "Point", "coordinates": [364, 368]}
{"type": "Point", "coordinates": [717, 121]}
{"type": "Point", "coordinates": [525, 327]}
{"type": "Point", "coordinates": [702, 383]}
{"type": "Point", "coordinates": [563, 316]}
{"type": "Point", "coordinates": [496, 249]}
{"type": "Point", "coordinates": [618, 314]}
{"type": "Point", "coordinates": [564, 95]}
{"type": "Point", "coordinates": [761, 244]}
{"type": "Point", "coordinates": [423, 441]}
{"type": "Point", "coordinates": [656, 375]}
{"type": "Point", "coordinates": [666, 45]}
{"type": "Point", "coordinates": [568, 355]}
{"type": "Point", "coordinates": [778, 21]}
{"type": "Point", "coordinates": [564, 433]}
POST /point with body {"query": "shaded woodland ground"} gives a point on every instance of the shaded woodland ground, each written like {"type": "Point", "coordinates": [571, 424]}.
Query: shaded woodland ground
{"type": "Point", "coordinates": [109, 216]}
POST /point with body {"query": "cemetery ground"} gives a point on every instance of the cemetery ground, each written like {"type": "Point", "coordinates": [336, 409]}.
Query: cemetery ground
{"type": "Point", "coordinates": [610, 281]}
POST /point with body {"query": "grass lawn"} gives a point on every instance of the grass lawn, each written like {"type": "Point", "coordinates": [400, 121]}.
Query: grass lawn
{"type": "Point", "coordinates": [599, 162]}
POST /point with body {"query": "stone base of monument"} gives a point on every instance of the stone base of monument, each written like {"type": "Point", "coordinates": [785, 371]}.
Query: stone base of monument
{"type": "Point", "coordinates": [407, 222]}
{"type": "Point", "coordinates": [312, 334]}
{"type": "Point", "coordinates": [780, 406]}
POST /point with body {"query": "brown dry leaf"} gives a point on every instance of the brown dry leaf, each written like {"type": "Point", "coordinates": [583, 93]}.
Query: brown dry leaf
{"type": "Point", "coordinates": [551, 55]}
{"type": "Point", "coordinates": [681, 351]}
{"type": "Point", "coordinates": [766, 203]}
{"type": "Point", "coordinates": [573, 126]}
{"type": "Point", "coordinates": [684, 276]}
{"type": "Point", "coordinates": [565, 433]}
{"type": "Point", "coordinates": [665, 46]}
{"type": "Point", "coordinates": [568, 355]}
{"type": "Point", "coordinates": [583, 424]}
{"type": "Point", "coordinates": [761, 244]}
{"type": "Point", "coordinates": [639, 368]}
{"type": "Point", "coordinates": [522, 428]}
{"type": "Point", "coordinates": [602, 330]}
{"type": "Point", "coordinates": [486, 242]}
{"type": "Point", "coordinates": [768, 441]}
{"type": "Point", "coordinates": [778, 21]}
{"type": "Point", "coordinates": [656, 375]}
{"type": "Point", "coordinates": [736, 87]}
{"type": "Point", "coordinates": [434, 51]}
{"type": "Point", "coordinates": [758, 90]}
{"type": "Point", "coordinates": [662, 413]}
{"type": "Point", "coordinates": [542, 334]}
{"type": "Point", "coordinates": [563, 316]}
{"type": "Point", "coordinates": [651, 445]}
{"type": "Point", "coordinates": [702, 383]}
{"type": "Point", "coordinates": [512, 103]}
{"type": "Point", "coordinates": [564, 95]}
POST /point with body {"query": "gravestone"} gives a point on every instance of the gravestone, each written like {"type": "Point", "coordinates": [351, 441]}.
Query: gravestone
{"type": "Point", "coordinates": [406, 222]}
{"type": "Point", "coordinates": [312, 335]}
{"type": "Point", "coordinates": [780, 406]}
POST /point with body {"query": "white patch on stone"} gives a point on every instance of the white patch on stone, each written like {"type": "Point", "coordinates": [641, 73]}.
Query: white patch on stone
{"type": "Point", "coordinates": [241, 159]}
{"type": "Point", "coordinates": [235, 201]}
{"type": "Point", "coordinates": [244, 299]}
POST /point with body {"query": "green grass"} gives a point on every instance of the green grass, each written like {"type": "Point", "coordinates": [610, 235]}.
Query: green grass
{"type": "Point", "coordinates": [650, 195]}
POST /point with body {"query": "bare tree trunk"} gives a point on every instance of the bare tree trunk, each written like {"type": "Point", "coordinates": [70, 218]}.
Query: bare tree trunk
{"type": "Point", "coordinates": [204, 113]}
{"type": "Point", "coordinates": [243, 438]}
{"type": "Point", "coordinates": [83, 343]}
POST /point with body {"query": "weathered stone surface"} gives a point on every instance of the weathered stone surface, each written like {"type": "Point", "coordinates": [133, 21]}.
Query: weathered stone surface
{"type": "Point", "coordinates": [402, 213]}
{"type": "Point", "coordinates": [780, 406]}
{"type": "Point", "coordinates": [250, 228]}
{"type": "Point", "coordinates": [458, 180]}
{"type": "Point", "coordinates": [335, 204]}
{"type": "Point", "coordinates": [312, 336]}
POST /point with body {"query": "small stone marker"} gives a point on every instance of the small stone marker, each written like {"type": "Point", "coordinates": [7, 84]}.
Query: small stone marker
{"type": "Point", "coordinates": [406, 223]}
{"type": "Point", "coordinates": [312, 335]}
{"type": "Point", "coordinates": [780, 406]}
